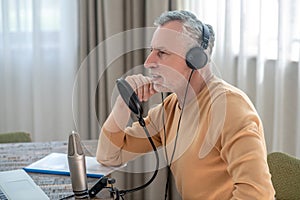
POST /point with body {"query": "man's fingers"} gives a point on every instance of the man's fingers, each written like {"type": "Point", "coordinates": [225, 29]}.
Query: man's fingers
{"type": "Point", "coordinates": [142, 86]}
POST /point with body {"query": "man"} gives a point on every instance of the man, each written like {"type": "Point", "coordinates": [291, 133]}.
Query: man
{"type": "Point", "coordinates": [209, 130]}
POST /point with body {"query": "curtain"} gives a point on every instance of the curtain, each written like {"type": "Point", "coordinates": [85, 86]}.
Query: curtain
{"type": "Point", "coordinates": [38, 45]}
{"type": "Point", "coordinates": [257, 50]}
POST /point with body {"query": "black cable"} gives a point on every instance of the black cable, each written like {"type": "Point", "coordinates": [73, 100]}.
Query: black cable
{"type": "Point", "coordinates": [179, 121]}
{"type": "Point", "coordinates": [164, 127]}
{"type": "Point", "coordinates": [123, 192]}
{"type": "Point", "coordinates": [176, 137]}
{"type": "Point", "coordinates": [167, 182]}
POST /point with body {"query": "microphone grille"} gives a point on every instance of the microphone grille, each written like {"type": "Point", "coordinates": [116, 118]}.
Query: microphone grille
{"type": "Point", "coordinates": [71, 151]}
{"type": "Point", "coordinates": [74, 145]}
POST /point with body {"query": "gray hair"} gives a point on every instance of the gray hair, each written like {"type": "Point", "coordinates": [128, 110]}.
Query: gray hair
{"type": "Point", "coordinates": [192, 26]}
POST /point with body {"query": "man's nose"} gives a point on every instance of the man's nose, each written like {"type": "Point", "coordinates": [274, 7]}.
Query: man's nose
{"type": "Point", "coordinates": [151, 60]}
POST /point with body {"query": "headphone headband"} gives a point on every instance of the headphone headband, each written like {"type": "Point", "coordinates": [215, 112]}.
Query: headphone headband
{"type": "Point", "coordinates": [205, 36]}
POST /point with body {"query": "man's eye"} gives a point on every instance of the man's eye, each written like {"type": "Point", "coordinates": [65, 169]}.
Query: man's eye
{"type": "Point", "coordinates": [161, 53]}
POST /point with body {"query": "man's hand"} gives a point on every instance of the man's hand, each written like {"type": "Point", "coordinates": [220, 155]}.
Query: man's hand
{"type": "Point", "coordinates": [142, 86]}
{"type": "Point", "coordinates": [119, 116]}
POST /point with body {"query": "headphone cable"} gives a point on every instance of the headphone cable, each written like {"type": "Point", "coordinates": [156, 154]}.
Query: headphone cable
{"type": "Point", "coordinates": [176, 137]}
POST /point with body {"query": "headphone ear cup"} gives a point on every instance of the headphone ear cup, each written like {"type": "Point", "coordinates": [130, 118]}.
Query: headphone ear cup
{"type": "Point", "coordinates": [196, 58]}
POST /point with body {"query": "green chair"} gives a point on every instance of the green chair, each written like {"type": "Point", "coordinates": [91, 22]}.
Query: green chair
{"type": "Point", "coordinates": [14, 137]}
{"type": "Point", "coordinates": [285, 171]}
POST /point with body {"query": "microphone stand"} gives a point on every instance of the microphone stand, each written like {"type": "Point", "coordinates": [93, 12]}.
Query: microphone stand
{"type": "Point", "coordinates": [132, 101]}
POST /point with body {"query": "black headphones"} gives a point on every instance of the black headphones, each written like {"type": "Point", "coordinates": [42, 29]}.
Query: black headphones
{"type": "Point", "coordinates": [196, 58]}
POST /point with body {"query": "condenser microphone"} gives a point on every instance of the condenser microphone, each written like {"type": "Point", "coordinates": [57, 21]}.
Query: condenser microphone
{"type": "Point", "coordinates": [76, 161]}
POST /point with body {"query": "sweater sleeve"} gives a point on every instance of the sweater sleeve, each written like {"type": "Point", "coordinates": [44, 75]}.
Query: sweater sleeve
{"type": "Point", "coordinates": [115, 149]}
{"type": "Point", "coordinates": [243, 149]}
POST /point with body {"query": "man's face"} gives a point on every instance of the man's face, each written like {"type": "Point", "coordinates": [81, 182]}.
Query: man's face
{"type": "Point", "coordinates": [167, 58]}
